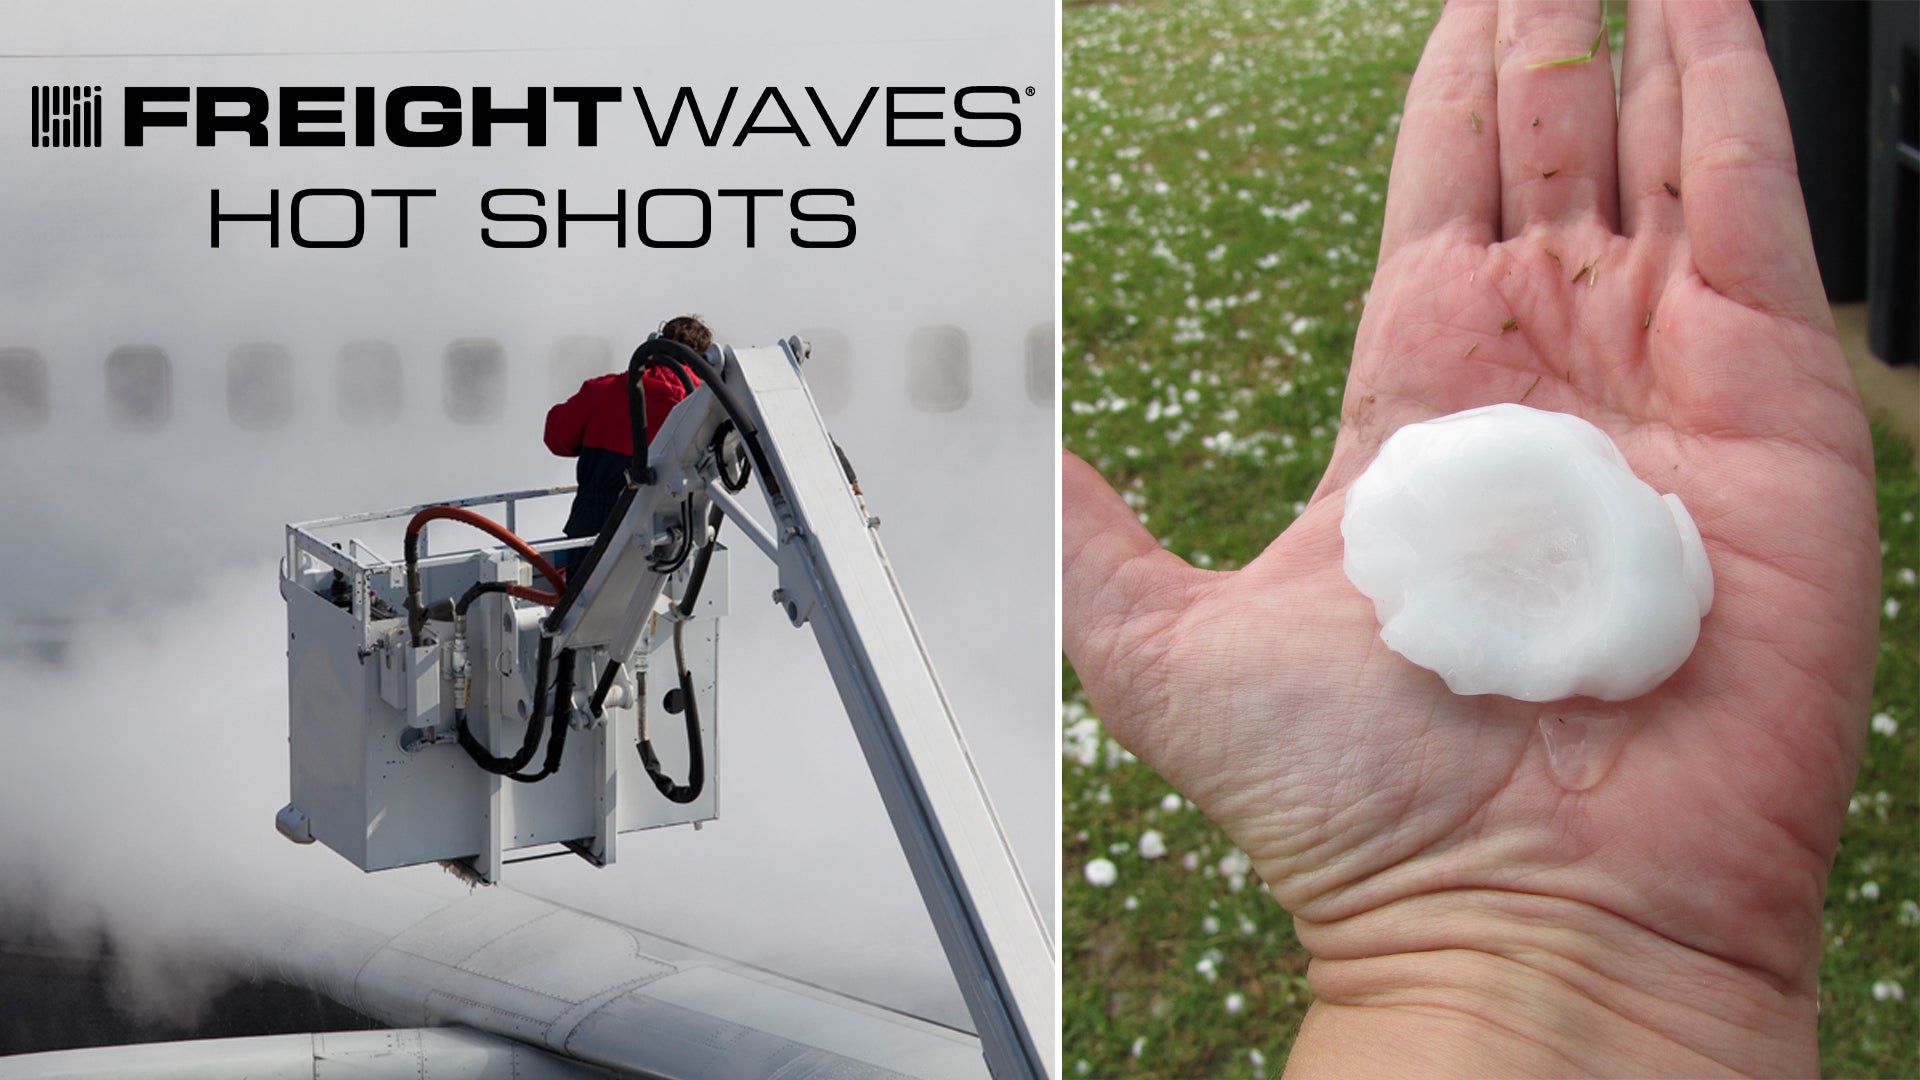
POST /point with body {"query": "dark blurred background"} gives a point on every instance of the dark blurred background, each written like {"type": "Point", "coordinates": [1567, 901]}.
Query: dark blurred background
{"type": "Point", "coordinates": [1850, 73]}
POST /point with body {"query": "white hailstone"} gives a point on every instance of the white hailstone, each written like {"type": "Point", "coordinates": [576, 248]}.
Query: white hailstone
{"type": "Point", "coordinates": [1191, 860]}
{"type": "Point", "coordinates": [1871, 890]}
{"type": "Point", "coordinates": [1234, 1003]}
{"type": "Point", "coordinates": [1888, 990]}
{"type": "Point", "coordinates": [1892, 608]}
{"type": "Point", "coordinates": [1209, 925]}
{"type": "Point", "coordinates": [1513, 551]}
{"type": "Point", "coordinates": [1139, 1047]}
{"type": "Point", "coordinates": [1885, 724]}
{"type": "Point", "coordinates": [1208, 966]}
{"type": "Point", "coordinates": [1102, 873]}
{"type": "Point", "coordinates": [1152, 844]}
{"type": "Point", "coordinates": [1169, 802]}
{"type": "Point", "coordinates": [1131, 903]}
{"type": "Point", "coordinates": [1235, 863]}
{"type": "Point", "coordinates": [1906, 576]}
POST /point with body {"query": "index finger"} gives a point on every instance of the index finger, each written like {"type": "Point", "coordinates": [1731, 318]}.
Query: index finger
{"type": "Point", "coordinates": [1739, 189]}
{"type": "Point", "coordinates": [1446, 162]}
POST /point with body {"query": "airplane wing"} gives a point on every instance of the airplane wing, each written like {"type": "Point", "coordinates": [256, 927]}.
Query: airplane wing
{"type": "Point", "coordinates": [365, 1055]}
{"type": "Point", "coordinates": [502, 983]}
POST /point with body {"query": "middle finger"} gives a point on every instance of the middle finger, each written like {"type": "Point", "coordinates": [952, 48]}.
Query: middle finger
{"type": "Point", "coordinates": [1556, 122]}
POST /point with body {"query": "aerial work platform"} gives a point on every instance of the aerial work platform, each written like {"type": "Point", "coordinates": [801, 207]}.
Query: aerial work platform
{"type": "Point", "coordinates": [459, 704]}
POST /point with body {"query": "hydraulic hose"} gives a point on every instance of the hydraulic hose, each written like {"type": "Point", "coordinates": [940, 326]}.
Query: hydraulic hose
{"type": "Point", "coordinates": [536, 725]}
{"type": "Point", "coordinates": [678, 358]}
{"type": "Point", "coordinates": [416, 609]}
{"type": "Point", "coordinates": [696, 755]}
{"type": "Point", "coordinates": [557, 717]}
{"type": "Point", "coordinates": [698, 576]}
{"type": "Point", "coordinates": [561, 722]}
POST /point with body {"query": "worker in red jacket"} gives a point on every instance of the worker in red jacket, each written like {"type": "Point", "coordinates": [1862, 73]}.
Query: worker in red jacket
{"type": "Point", "coordinates": [593, 426]}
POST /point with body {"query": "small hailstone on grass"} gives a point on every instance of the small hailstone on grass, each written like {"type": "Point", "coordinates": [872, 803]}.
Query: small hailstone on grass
{"type": "Point", "coordinates": [1234, 1003]}
{"type": "Point", "coordinates": [1209, 925]}
{"type": "Point", "coordinates": [1906, 576]}
{"type": "Point", "coordinates": [1885, 724]}
{"type": "Point", "coordinates": [1909, 913]}
{"type": "Point", "coordinates": [1888, 990]}
{"type": "Point", "coordinates": [1139, 1047]}
{"type": "Point", "coordinates": [1892, 608]}
{"type": "Point", "coordinates": [1191, 860]}
{"type": "Point", "coordinates": [1871, 890]}
{"type": "Point", "coordinates": [1169, 803]}
{"type": "Point", "coordinates": [1152, 844]}
{"type": "Point", "coordinates": [1102, 873]}
{"type": "Point", "coordinates": [1131, 903]}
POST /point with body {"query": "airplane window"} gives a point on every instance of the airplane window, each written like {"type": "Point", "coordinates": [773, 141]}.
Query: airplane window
{"type": "Point", "coordinates": [1040, 366]}
{"type": "Point", "coordinates": [259, 386]}
{"type": "Point", "coordinates": [24, 401]}
{"type": "Point", "coordinates": [577, 358]}
{"type": "Point", "coordinates": [367, 383]}
{"type": "Point", "coordinates": [476, 380]}
{"type": "Point", "coordinates": [139, 388]}
{"type": "Point", "coordinates": [829, 370]}
{"type": "Point", "coordinates": [938, 374]}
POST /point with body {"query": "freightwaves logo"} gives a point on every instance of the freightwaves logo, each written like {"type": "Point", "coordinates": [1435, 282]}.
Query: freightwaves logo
{"type": "Point", "coordinates": [916, 119]}
{"type": "Point", "coordinates": [66, 115]}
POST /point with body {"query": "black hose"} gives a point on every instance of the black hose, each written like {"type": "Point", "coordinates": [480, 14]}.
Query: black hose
{"type": "Point", "coordinates": [678, 358]}
{"type": "Point", "coordinates": [698, 576]}
{"type": "Point", "coordinates": [679, 558]}
{"type": "Point", "coordinates": [598, 703]}
{"type": "Point", "coordinates": [479, 589]}
{"type": "Point", "coordinates": [696, 755]}
{"type": "Point", "coordinates": [506, 766]}
{"type": "Point", "coordinates": [733, 483]}
{"type": "Point", "coordinates": [562, 714]}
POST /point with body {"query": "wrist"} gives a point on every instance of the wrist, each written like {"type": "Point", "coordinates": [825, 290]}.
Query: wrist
{"type": "Point", "coordinates": [1483, 983]}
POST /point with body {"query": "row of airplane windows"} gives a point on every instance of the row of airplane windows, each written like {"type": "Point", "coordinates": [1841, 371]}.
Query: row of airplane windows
{"type": "Point", "coordinates": [368, 388]}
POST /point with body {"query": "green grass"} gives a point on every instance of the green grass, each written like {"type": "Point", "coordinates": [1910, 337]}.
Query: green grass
{"type": "Point", "coordinates": [1225, 170]}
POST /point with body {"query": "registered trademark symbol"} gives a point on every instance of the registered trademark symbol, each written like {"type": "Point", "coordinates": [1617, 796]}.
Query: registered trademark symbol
{"type": "Point", "coordinates": [1029, 91]}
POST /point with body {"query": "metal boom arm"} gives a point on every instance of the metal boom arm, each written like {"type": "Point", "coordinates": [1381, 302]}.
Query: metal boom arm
{"type": "Point", "coordinates": [835, 576]}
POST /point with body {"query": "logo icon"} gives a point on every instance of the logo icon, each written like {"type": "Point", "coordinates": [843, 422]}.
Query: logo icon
{"type": "Point", "coordinates": [67, 115]}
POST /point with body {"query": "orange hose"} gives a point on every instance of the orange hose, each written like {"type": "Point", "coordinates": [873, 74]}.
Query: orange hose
{"type": "Point", "coordinates": [498, 532]}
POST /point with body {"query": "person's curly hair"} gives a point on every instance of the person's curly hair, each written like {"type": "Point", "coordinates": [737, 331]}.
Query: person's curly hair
{"type": "Point", "coordinates": [688, 330]}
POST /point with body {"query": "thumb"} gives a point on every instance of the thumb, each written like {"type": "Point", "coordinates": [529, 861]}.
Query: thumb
{"type": "Point", "coordinates": [1118, 588]}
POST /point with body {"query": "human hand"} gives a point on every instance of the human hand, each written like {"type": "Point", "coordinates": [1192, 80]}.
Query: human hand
{"type": "Point", "coordinates": [1666, 919]}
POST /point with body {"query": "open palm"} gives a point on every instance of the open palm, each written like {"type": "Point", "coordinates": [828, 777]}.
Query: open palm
{"type": "Point", "coordinates": [1698, 338]}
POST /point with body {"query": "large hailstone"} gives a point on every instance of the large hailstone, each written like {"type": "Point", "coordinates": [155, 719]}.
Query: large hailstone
{"type": "Point", "coordinates": [1512, 551]}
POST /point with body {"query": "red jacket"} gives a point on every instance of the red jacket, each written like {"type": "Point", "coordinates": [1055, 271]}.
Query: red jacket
{"type": "Point", "coordinates": [592, 425]}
